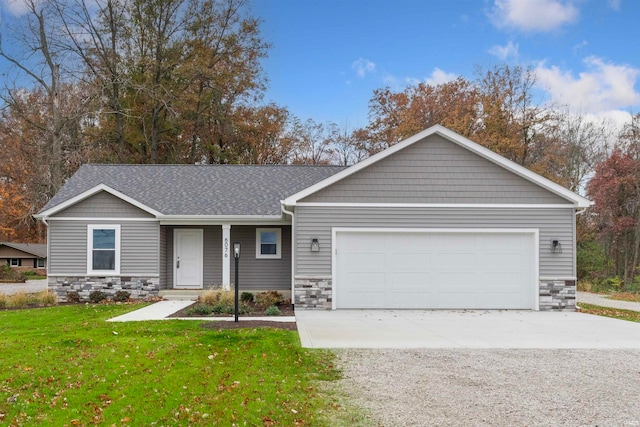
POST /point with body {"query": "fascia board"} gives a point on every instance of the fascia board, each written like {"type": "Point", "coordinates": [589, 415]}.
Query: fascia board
{"type": "Point", "coordinates": [90, 192]}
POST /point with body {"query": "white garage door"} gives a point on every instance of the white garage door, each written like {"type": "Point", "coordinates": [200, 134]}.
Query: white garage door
{"type": "Point", "coordinates": [448, 270]}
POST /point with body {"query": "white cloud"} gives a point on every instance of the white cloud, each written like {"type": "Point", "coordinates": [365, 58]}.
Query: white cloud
{"type": "Point", "coordinates": [602, 87]}
{"type": "Point", "coordinates": [533, 15]}
{"type": "Point", "coordinates": [505, 52]}
{"type": "Point", "coordinates": [439, 77]}
{"type": "Point", "coordinates": [363, 66]}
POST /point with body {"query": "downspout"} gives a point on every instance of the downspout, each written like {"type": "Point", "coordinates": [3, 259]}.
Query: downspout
{"type": "Point", "coordinates": [293, 252]}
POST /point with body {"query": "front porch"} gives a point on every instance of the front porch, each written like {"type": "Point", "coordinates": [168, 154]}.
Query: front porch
{"type": "Point", "coordinates": [196, 258]}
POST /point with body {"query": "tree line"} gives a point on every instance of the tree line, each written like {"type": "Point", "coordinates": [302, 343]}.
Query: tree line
{"type": "Point", "coordinates": [180, 81]}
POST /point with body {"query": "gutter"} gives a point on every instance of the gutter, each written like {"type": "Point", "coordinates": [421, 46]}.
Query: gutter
{"type": "Point", "coordinates": [293, 252]}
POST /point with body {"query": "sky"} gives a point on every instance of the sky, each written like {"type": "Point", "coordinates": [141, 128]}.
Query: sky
{"type": "Point", "coordinates": [328, 56]}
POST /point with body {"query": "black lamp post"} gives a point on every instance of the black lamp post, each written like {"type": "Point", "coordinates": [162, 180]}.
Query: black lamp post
{"type": "Point", "coordinates": [236, 255]}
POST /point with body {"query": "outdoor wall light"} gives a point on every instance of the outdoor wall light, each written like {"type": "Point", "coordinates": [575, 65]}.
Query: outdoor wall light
{"type": "Point", "coordinates": [315, 245]}
{"type": "Point", "coordinates": [236, 250]}
{"type": "Point", "coordinates": [556, 247]}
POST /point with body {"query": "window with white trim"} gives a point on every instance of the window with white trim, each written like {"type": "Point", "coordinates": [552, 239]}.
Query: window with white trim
{"type": "Point", "coordinates": [269, 243]}
{"type": "Point", "coordinates": [15, 262]}
{"type": "Point", "coordinates": [103, 249]}
{"type": "Point", "coordinates": [40, 263]}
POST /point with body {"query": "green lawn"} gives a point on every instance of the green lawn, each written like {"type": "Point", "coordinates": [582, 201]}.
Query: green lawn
{"type": "Point", "coordinates": [67, 366]}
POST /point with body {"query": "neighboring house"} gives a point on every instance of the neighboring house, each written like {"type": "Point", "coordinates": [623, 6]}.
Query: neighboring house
{"type": "Point", "coordinates": [436, 221]}
{"type": "Point", "coordinates": [24, 256]}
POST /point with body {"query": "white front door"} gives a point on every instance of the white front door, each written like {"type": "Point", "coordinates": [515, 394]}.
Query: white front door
{"type": "Point", "coordinates": [187, 258]}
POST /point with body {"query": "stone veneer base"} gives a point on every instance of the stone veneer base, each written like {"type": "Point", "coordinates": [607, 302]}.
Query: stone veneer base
{"type": "Point", "coordinates": [557, 295]}
{"type": "Point", "coordinates": [317, 293]}
{"type": "Point", "coordinates": [139, 287]}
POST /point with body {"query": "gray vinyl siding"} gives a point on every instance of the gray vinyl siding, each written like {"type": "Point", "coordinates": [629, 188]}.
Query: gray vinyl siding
{"type": "Point", "coordinates": [317, 222]}
{"type": "Point", "coordinates": [139, 243]}
{"type": "Point", "coordinates": [435, 170]}
{"type": "Point", "coordinates": [212, 254]}
{"type": "Point", "coordinates": [261, 274]}
{"type": "Point", "coordinates": [103, 205]}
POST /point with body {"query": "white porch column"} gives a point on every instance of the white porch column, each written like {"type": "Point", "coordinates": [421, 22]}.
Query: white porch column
{"type": "Point", "coordinates": [226, 257]}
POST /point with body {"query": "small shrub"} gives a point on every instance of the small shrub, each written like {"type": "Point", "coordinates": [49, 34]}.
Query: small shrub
{"type": "Point", "coordinates": [121, 296]}
{"type": "Point", "coordinates": [29, 273]}
{"type": "Point", "coordinates": [229, 308]}
{"type": "Point", "coordinates": [272, 311]}
{"type": "Point", "coordinates": [73, 297]}
{"type": "Point", "coordinates": [613, 283]}
{"type": "Point", "coordinates": [9, 274]}
{"type": "Point", "coordinates": [18, 300]}
{"type": "Point", "coordinates": [97, 296]}
{"type": "Point", "coordinates": [246, 296]}
{"type": "Point", "coordinates": [47, 298]}
{"type": "Point", "coordinates": [3, 301]}
{"type": "Point", "coordinates": [213, 297]}
{"type": "Point", "coordinates": [269, 298]}
{"type": "Point", "coordinates": [201, 309]}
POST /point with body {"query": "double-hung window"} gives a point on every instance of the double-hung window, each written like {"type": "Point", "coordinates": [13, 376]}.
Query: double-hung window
{"type": "Point", "coordinates": [103, 249]}
{"type": "Point", "coordinates": [269, 243]}
{"type": "Point", "coordinates": [15, 262]}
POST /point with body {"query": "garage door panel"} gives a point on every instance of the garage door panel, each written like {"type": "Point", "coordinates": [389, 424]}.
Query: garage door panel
{"type": "Point", "coordinates": [375, 261]}
{"type": "Point", "coordinates": [459, 261]}
{"type": "Point", "coordinates": [403, 261]}
{"type": "Point", "coordinates": [434, 270]}
{"type": "Point", "coordinates": [409, 281]}
{"type": "Point", "coordinates": [500, 261]}
{"type": "Point", "coordinates": [361, 282]}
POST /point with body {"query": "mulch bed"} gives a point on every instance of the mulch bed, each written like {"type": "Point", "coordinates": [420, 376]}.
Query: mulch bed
{"type": "Point", "coordinates": [249, 324]}
{"type": "Point", "coordinates": [243, 321]}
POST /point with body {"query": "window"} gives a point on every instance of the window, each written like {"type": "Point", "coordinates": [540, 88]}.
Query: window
{"type": "Point", "coordinates": [103, 249]}
{"type": "Point", "coordinates": [268, 243]}
{"type": "Point", "coordinates": [40, 263]}
{"type": "Point", "coordinates": [15, 262]}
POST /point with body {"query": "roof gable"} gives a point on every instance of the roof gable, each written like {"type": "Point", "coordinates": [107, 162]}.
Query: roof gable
{"type": "Point", "coordinates": [444, 180]}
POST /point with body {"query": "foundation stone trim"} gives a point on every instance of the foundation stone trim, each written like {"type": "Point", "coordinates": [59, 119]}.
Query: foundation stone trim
{"type": "Point", "coordinates": [557, 295]}
{"type": "Point", "coordinates": [313, 293]}
{"type": "Point", "coordinates": [138, 286]}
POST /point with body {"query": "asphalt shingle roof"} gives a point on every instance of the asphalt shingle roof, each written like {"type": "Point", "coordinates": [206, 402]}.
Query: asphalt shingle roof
{"type": "Point", "coordinates": [199, 189]}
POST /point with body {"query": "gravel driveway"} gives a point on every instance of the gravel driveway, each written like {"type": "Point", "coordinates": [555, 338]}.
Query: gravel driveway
{"type": "Point", "coordinates": [494, 387]}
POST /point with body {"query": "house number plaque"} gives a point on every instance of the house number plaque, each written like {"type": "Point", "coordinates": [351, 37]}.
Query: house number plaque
{"type": "Point", "coordinates": [226, 248]}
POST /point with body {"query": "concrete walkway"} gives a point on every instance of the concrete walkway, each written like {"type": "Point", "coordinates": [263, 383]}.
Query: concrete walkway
{"type": "Point", "coordinates": [605, 301]}
{"type": "Point", "coordinates": [161, 310]}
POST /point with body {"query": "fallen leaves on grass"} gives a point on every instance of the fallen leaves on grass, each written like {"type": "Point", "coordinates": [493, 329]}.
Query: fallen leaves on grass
{"type": "Point", "coordinates": [616, 313]}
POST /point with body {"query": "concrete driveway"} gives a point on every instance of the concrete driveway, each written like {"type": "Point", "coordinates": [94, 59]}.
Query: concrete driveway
{"type": "Point", "coordinates": [463, 329]}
